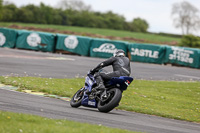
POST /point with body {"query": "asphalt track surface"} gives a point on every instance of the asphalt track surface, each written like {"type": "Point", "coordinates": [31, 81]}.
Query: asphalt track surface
{"type": "Point", "coordinates": [29, 63]}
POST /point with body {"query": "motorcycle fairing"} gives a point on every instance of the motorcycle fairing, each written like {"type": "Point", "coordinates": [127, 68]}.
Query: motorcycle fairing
{"type": "Point", "coordinates": [121, 82]}
{"type": "Point", "coordinates": [88, 103]}
{"type": "Point", "coordinates": [89, 82]}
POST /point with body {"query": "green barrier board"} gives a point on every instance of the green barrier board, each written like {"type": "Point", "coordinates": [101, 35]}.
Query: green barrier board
{"type": "Point", "coordinates": [7, 37]}
{"type": "Point", "coordinates": [35, 41]}
{"type": "Point", "coordinates": [148, 53]}
{"type": "Point", "coordinates": [105, 48]}
{"type": "Point", "coordinates": [199, 57]}
{"type": "Point", "coordinates": [75, 44]}
{"type": "Point", "coordinates": [183, 56]}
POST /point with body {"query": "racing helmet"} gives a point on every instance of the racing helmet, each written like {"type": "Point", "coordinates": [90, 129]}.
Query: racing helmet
{"type": "Point", "coordinates": [119, 52]}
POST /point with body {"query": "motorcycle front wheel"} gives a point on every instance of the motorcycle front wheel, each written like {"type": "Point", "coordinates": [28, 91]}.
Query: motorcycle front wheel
{"type": "Point", "coordinates": [112, 101]}
{"type": "Point", "coordinates": [76, 99]}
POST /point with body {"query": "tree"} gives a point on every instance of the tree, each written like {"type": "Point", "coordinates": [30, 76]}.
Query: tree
{"type": "Point", "coordinates": [0, 8]}
{"type": "Point", "coordinates": [139, 25]}
{"type": "Point", "coordinates": [25, 15]}
{"type": "Point", "coordinates": [190, 41]}
{"type": "Point", "coordinates": [186, 17]}
{"type": "Point", "coordinates": [75, 5]}
{"type": "Point", "coordinates": [113, 21]}
{"type": "Point", "coordinates": [9, 12]}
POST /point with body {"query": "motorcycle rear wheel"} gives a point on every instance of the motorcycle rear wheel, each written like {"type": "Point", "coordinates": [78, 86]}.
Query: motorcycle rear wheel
{"type": "Point", "coordinates": [112, 102]}
{"type": "Point", "coordinates": [77, 98]}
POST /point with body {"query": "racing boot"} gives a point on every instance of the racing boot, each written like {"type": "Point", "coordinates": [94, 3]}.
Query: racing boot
{"type": "Point", "coordinates": [87, 92]}
{"type": "Point", "coordinates": [100, 86]}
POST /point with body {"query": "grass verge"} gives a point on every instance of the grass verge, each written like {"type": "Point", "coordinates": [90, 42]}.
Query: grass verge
{"type": "Point", "coordinates": [23, 123]}
{"type": "Point", "coordinates": [152, 38]}
{"type": "Point", "coordinates": [177, 100]}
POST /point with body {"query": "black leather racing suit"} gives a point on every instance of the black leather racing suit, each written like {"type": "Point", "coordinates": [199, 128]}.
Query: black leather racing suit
{"type": "Point", "coordinates": [121, 67]}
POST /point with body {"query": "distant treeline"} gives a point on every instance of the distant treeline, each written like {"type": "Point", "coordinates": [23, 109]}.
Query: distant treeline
{"type": "Point", "coordinates": [44, 14]}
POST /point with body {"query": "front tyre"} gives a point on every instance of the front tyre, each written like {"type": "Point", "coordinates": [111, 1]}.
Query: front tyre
{"type": "Point", "coordinates": [114, 97]}
{"type": "Point", "coordinates": [76, 99]}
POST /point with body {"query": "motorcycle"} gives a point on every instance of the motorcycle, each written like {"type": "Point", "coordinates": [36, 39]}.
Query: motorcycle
{"type": "Point", "coordinates": [105, 100]}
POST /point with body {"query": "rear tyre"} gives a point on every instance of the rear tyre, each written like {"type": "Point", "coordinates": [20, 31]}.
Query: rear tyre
{"type": "Point", "coordinates": [114, 97]}
{"type": "Point", "coordinates": [77, 98]}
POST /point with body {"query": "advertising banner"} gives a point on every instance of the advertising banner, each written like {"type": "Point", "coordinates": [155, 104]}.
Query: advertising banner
{"type": "Point", "coordinates": [36, 41]}
{"type": "Point", "coordinates": [8, 37]}
{"type": "Point", "coordinates": [105, 48]}
{"type": "Point", "coordinates": [75, 44]}
{"type": "Point", "coordinates": [148, 53]}
{"type": "Point", "coordinates": [199, 58]}
{"type": "Point", "coordinates": [182, 56]}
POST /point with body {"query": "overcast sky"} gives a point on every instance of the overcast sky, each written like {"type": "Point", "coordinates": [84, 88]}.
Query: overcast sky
{"type": "Point", "coordinates": [156, 12]}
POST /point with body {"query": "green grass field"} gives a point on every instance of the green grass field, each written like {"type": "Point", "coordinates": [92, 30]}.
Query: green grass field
{"type": "Point", "coordinates": [23, 123]}
{"type": "Point", "coordinates": [177, 100]}
{"type": "Point", "coordinates": [106, 32]}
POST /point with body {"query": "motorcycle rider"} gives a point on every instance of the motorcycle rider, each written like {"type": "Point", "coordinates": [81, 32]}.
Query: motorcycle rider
{"type": "Point", "coordinates": [121, 67]}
